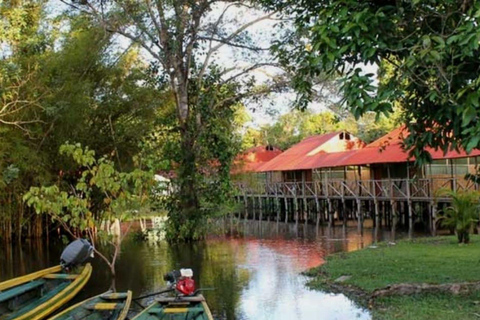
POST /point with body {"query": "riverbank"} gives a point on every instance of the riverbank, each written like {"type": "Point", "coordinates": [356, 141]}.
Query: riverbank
{"type": "Point", "coordinates": [438, 260]}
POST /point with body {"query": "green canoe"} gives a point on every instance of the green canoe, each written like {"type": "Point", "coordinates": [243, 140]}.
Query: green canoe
{"type": "Point", "coordinates": [107, 306]}
{"type": "Point", "coordinates": [36, 295]}
{"type": "Point", "coordinates": [183, 308]}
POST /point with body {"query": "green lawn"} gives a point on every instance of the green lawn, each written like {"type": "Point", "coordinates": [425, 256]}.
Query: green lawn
{"type": "Point", "coordinates": [430, 260]}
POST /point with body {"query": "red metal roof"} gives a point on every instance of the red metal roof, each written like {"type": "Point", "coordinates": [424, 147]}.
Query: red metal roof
{"type": "Point", "coordinates": [387, 149]}
{"type": "Point", "coordinates": [252, 158]}
{"type": "Point", "coordinates": [306, 154]}
{"type": "Point", "coordinates": [393, 137]}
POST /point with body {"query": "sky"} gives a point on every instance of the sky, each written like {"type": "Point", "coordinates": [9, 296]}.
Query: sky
{"type": "Point", "coordinates": [261, 34]}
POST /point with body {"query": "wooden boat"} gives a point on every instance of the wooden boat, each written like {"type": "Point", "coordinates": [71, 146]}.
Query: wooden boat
{"type": "Point", "coordinates": [108, 306]}
{"type": "Point", "coordinates": [181, 308]}
{"type": "Point", "coordinates": [36, 295]}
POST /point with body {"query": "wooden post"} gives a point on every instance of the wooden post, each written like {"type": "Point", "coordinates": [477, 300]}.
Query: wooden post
{"type": "Point", "coordinates": [304, 196]}
{"type": "Point", "coordinates": [344, 212]}
{"type": "Point", "coordinates": [377, 223]}
{"type": "Point", "coordinates": [260, 202]}
{"type": "Point", "coordinates": [409, 206]}
{"type": "Point", "coordinates": [331, 223]}
{"type": "Point", "coordinates": [394, 219]}
{"type": "Point", "coordinates": [277, 202]}
{"type": "Point", "coordinates": [253, 208]}
{"type": "Point", "coordinates": [295, 208]}
{"type": "Point", "coordinates": [317, 205]}
{"type": "Point", "coordinates": [286, 208]}
{"type": "Point", "coordinates": [434, 218]}
{"type": "Point", "coordinates": [305, 210]}
{"type": "Point", "coordinates": [245, 199]}
{"type": "Point", "coordinates": [359, 216]}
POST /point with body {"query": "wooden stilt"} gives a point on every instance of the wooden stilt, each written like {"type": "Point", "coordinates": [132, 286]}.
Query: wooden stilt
{"type": "Point", "coordinates": [359, 216]}
{"type": "Point", "coordinates": [295, 208]}
{"type": "Point", "coordinates": [434, 218]}
{"type": "Point", "coordinates": [410, 220]}
{"type": "Point", "coordinates": [330, 213]}
{"type": "Point", "coordinates": [377, 222]}
{"type": "Point", "coordinates": [344, 213]}
{"type": "Point", "coordinates": [277, 202]}
{"type": "Point", "coordinates": [394, 219]}
{"type": "Point", "coordinates": [305, 211]}
{"type": "Point", "coordinates": [260, 203]}
{"type": "Point", "coordinates": [317, 210]}
{"type": "Point", "coordinates": [286, 208]}
{"type": "Point", "coordinates": [246, 206]}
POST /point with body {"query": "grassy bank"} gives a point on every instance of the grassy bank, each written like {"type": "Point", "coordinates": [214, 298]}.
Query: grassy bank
{"type": "Point", "coordinates": [428, 260]}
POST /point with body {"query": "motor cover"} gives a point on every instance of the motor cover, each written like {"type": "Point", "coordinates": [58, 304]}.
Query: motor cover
{"type": "Point", "coordinates": [186, 286]}
{"type": "Point", "coordinates": [76, 253]}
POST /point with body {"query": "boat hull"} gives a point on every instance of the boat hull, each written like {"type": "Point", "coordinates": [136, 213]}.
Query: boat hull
{"type": "Point", "coordinates": [107, 306]}
{"type": "Point", "coordinates": [182, 308]}
{"type": "Point", "coordinates": [37, 295]}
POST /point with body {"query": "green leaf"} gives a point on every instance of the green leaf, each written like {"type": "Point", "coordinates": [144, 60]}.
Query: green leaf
{"type": "Point", "coordinates": [468, 115]}
{"type": "Point", "coordinates": [435, 54]}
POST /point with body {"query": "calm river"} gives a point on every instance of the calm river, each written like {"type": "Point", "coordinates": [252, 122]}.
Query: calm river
{"type": "Point", "coordinates": [254, 275]}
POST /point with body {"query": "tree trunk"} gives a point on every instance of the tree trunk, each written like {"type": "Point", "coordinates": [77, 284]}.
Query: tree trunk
{"type": "Point", "coordinates": [188, 191]}
{"type": "Point", "coordinates": [418, 288]}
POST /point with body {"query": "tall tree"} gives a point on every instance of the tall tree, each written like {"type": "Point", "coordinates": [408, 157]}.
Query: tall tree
{"type": "Point", "coordinates": [63, 79]}
{"type": "Point", "coordinates": [182, 39]}
{"type": "Point", "coordinates": [431, 49]}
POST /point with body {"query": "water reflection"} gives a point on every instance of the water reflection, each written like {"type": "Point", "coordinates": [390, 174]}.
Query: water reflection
{"type": "Point", "coordinates": [255, 274]}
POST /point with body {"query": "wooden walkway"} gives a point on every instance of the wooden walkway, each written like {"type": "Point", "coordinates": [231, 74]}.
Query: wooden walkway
{"type": "Point", "coordinates": [391, 202]}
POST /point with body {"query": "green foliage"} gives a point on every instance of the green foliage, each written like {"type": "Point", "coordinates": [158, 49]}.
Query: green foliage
{"type": "Point", "coordinates": [427, 52]}
{"type": "Point", "coordinates": [297, 125]}
{"type": "Point", "coordinates": [63, 78]}
{"type": "Point", "coordinates": [100, 194]}
{"type": "Point", "coordinates": [204, 153]}
{"type": "Point", "coordinates": [463, 213]}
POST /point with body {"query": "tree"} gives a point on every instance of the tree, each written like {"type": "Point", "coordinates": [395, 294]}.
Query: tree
{"type": "Point", "coordinates": [100, 194]}
{"type": "Point", "coordinates": [67, 81]}
{"type": "Point", "coordinates": [19, 95]}
{"type": "Point", "coordinates": [297, 125]}
{"type": "Point", "coordinates": [429, 48]}
{"type": "Point", "coordinates": [182, 41]}
{"type": "Point", "coordinates": [463, 213]}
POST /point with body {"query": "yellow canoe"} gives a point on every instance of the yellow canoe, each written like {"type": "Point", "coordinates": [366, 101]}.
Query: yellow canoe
{"type": "Point", "coordinates": [36, 295]}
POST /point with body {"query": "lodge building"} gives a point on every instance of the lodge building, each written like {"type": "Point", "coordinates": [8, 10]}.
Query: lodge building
{"type": "Point", "coordinates": [336, 177]}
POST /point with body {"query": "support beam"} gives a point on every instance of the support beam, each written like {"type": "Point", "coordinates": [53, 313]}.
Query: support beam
{"type": "Point", "coordinates": [330, 217]}
{"type": "Point", "coordinates": [410, 220]}
{"type": "Point", "coordinates": [394, 219]}
{"type": "Point", "coordinates": [377, 222]}
{"type": "Point", "coordinates": [260, 203]}
{"type": "Point", "coordinates": [433, 228]}
{"type": "Point", "coordinates": [359, 216]}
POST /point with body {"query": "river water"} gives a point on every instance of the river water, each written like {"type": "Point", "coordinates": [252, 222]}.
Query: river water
{"type": "Point", "coordinates": [254, 275]}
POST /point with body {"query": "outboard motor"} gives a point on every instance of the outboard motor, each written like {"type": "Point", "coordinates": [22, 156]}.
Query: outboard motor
{"type": "Point", "coordinates": [182, 280]}
{"type": "Point", "coordinates": [76, 253]}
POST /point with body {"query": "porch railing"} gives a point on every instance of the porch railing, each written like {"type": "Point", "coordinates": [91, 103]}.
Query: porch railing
{"type": "Point", "coordinates": [386, 189]}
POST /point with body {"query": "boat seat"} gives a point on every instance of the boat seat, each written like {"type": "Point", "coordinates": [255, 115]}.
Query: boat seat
{"type": "Point", "coordinates": [104, 306]}
{"type": "Point", "coordinates": [114, 296]}
{"type": "Point", "coordinates": [33, 304]}
{"type": "Point", "coordinates": [175, 310]}
{"type": "Point", "coordinates": [60, 276]}
{"type": "Point", "coordinates": [21, 289]}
